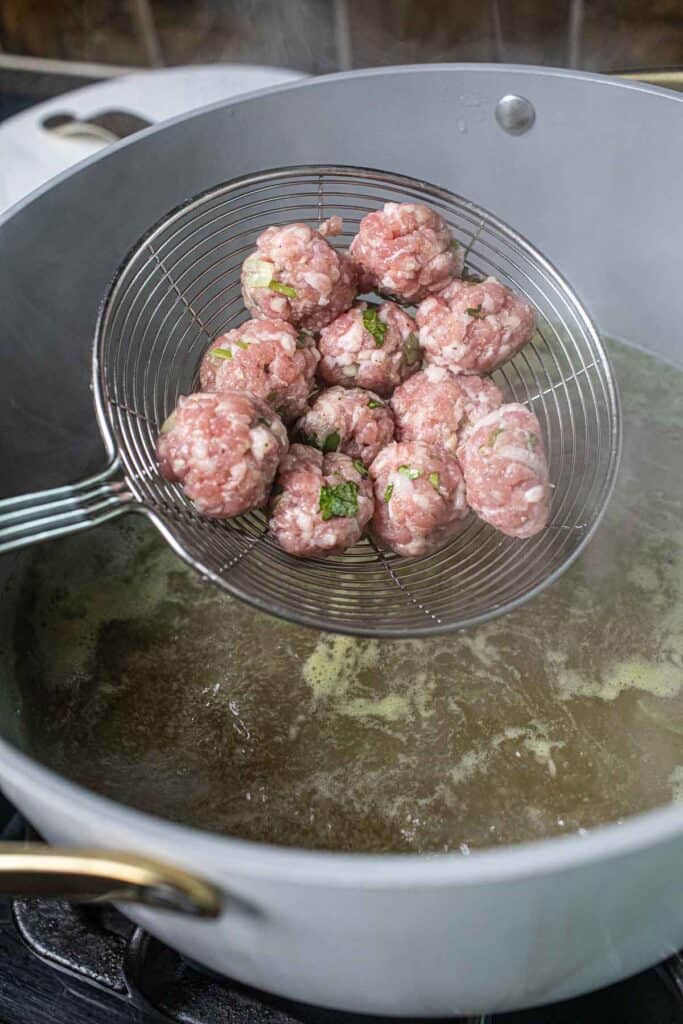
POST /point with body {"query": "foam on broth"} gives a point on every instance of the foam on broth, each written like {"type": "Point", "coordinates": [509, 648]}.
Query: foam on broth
{"type": "Point", "coordinates": [148, 685]}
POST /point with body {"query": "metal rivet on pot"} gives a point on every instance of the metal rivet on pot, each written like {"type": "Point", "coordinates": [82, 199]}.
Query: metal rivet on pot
{"type": "Point", "coordinates": [515, 114]}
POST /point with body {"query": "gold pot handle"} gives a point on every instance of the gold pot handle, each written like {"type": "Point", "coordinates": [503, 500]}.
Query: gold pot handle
{"type": "Point", "coordinates": [86, 875]}
{"type": "Point", "coordinates": [667, 78]}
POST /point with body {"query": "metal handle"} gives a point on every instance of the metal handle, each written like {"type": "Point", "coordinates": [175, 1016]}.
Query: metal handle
{"type": "Point", "coordinates": [29, 518]}
{"type": "Point", "coordinates": [85, 875]}
{"type": "Point", "coordinates": [666, 78]}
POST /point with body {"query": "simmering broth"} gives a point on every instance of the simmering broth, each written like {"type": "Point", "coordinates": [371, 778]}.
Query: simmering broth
{"type": "Point", "coordinates": [141, 681]}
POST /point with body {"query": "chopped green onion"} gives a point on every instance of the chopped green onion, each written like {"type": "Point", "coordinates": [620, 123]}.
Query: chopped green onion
{"type": "Point", "coordinates": [283, 289]}
{"type": "Point", "coordinates": [241, 344]}
{"type": "Point", "coordinates": [376, 327]}
{"type": "Point", "coordinates": [304, 339]}
{"type": "Point", "coordinates": [331, 442]}
{"type": "Point", "coordinates": [435, 480]}
{"type": "Point", "coordinates": [493, 437]}
{"type": "Point", "coordinates": [374, 404]}
{"type": "Point", "coordinates": [168, 423]}
{"type": "Point", "coordinates": [475, 311]}
{"type": "Point", "coordinates": [339, 501]}
{"type": "Point", "coordinates": [360, 467]}
{"type": "Point", "coordinates": [411, 349]}
{"type": "Point", "coordinates": [411, 473]}
{"type": "Point", "coordinates": [389, 491]}
{"type": "Point", "coordinates": [221, 353]}
{"type": "Point", "coordinates": [257, 273]}
{"type": "Point", "coordinates": [455, 245]}
{"type": "Point", "coordinates": [532, 442]}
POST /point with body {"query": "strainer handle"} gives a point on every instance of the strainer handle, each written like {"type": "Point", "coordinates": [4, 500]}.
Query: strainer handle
{"type": "Point", "coordinates": [29, 518]}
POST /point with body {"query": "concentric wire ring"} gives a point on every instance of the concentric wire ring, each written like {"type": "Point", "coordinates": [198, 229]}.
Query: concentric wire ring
{"type": "Point", "coordinates": [180, 287]}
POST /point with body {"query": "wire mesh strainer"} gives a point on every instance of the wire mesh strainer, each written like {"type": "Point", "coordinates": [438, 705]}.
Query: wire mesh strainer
{"type": "Point", "coordinates": [180, 287]}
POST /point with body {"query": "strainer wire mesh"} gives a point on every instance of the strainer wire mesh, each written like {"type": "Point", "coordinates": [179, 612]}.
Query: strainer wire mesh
{"type": "Point", "coordinates": [179, 289]}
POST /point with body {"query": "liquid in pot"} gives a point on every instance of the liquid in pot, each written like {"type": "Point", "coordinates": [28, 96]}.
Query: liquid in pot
{"type": "Point", "coordinates": [151, 687]}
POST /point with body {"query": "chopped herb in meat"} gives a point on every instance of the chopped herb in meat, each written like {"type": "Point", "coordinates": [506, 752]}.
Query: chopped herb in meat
{"type": "Point", "coordinates": [532, 442]}
{"type": "Point", "coordinates": [435, 480]}
{"type": "Point", "coordinates": [331, 442]}
{"type": "Point", "coordinates": [475, 311]}
{"type": "Point", "coordinates": [411, 349]}
{"type": "Point", "coordinates": [339, 501]}
{"type": "Point", "coordinates": [304, 339]}
{"type": "Point", "coordinates": [360, 467]}
{"type": "Point", "coordinates": [376, 327]}
{"type": "Point", "coordinates": [490, 440]}
{"type": "Point", "coordinates": [388, 492]}
{"type": "Point", "coordinates": [221, 353]}
{"type": "Point", "coordinates": [455, 245]}
{"type": "Point", "coordinates": [410, 472]}
{"type": "Point", "coordinates": [241, 344]}
{"type": "Point", "coordinates": [282, 289]}
{"type": "Point", "coordinates": [467, 275]}
{"type": "Point", "coordinates": [374, 404]}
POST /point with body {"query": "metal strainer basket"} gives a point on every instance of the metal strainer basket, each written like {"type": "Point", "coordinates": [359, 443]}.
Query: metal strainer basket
{"type": "Point", "coordinates": [180, 287]}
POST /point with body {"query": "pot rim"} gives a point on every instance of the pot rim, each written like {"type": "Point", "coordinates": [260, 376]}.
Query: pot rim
{"type": "Point", "coordinates": [314, 81]}
{"type": "Point", "coordinates": [635, 835]}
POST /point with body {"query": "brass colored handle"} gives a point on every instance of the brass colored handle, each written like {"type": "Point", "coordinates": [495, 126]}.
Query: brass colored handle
{"type": "Point", "coordinates": [85, 875]}
{"type": "Point", "coordinates": [667, 78]}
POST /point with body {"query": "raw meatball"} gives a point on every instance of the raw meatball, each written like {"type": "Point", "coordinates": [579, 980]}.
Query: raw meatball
{"type": "Point", "coordinates": [473, 327]}
{"type": "Point", "coordinates": [405, 251]}
{"type": "Point", "coordinates": [322, 502]}
{"type": "Point", "coordinates": [506, 472]}
{"type": "Point", "coordinates": [331, 226]}
{"type": "Point", "coordinates": [295, 275]}
{"type": "Point", "coordinates": [224, 449]}
{"type": "Point", "coordinates": [419, 498]}
{"type": "Point", "coordinates": [349, 420]}
{"type": "Point", "coordinates": [270, 358]}
{"type": "Point", "coordinates": [439, 409]}
{"type": "Point", "coordinates": [369, 347]}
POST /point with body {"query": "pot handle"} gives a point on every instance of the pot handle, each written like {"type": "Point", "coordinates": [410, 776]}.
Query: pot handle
{"type": "Point", "coordinates": [86, 875]}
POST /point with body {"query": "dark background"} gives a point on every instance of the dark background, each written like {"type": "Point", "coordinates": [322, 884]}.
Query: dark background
{"type": "Point", "coordinates": [321, 36]}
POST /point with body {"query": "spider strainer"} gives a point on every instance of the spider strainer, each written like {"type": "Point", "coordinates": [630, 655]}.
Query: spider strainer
{"type": "Point", "coordinates": [180, 287]}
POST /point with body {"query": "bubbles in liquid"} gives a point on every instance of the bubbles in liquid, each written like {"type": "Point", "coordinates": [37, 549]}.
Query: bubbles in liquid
{"type": "Point", "coordinates": [145, 683]}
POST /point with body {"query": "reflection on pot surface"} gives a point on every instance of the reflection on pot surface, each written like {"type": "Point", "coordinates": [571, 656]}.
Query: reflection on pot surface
{"type": "Point", "coordinates": [151, 687]}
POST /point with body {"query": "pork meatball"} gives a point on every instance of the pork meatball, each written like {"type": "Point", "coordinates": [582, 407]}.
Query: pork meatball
{"type": "Point", "coordinates": [321, 503]}
{"type": "Point", "coordinates": [295, 275]}
{"type": "Point", "coordinates": [269, 358]}
{"type": "Point", "coordinates": [405, 251]}
{"type": "Point", "coordinates": [369, 347]}
{"type": "Point", "coordinates": [224, 449]}
{"type": "Point", "coordinates": [439, 409]}
{"type": "Point", "coordinates": [506, 472]}
{"type": "Point", "coordinates": [419, 498]}
{"type": "Point", "coordinates": [474, 326]}
{"type": "Point", "coordinates": [349, 420]}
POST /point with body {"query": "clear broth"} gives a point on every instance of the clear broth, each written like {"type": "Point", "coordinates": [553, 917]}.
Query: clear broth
{"type": "Point", "coordinates": [145, 684]}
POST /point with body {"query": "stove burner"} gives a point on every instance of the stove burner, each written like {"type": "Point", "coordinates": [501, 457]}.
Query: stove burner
{"type": "Point", "coordinates": [107, 955]}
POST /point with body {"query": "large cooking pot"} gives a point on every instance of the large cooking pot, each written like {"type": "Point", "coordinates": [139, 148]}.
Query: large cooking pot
{"type": "Point", "coordinates": [595, 182]}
